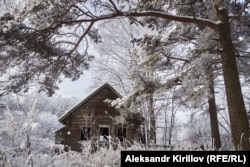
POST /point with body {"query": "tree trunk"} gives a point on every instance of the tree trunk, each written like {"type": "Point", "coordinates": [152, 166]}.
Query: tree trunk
{"type": "Point", "coordinates": [213, 116]}
{"type": "Point", "coordinates": [152, 118]}
{"type": "Point", "coordinates": [237, 111]}
{"type": "Point", "coordinates": [171, 125]}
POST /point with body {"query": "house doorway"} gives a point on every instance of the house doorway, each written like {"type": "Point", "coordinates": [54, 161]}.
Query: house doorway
{"type": "Point", "coordinates": [104, 133]}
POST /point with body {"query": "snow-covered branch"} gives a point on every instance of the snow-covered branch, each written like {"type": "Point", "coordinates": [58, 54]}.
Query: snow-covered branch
{"type": "Point", "coordinates": [163, 15]}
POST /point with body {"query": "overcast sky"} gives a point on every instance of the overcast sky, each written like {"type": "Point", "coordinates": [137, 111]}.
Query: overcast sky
{"type": "Point", "coordinates": [78, 88]}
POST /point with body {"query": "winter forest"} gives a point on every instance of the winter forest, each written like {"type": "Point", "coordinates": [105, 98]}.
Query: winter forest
{"type": "Point", "coordinates": [182, 65]}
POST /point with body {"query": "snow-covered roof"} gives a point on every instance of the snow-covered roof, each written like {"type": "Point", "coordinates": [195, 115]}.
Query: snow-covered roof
{"type": "Point", "coordinates": [66, 114]}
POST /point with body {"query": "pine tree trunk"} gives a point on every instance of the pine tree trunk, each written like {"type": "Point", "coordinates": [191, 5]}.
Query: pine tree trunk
{"type": "Point", "coordinates": [237, 111]}
{"type": "Point", "coordinates": [213, 116]}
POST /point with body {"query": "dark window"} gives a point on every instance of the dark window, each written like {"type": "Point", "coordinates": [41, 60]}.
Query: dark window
{"type": "Point", "coordinates": [121, 133]}
{"type": "Point", "coordinates": [85, 133]}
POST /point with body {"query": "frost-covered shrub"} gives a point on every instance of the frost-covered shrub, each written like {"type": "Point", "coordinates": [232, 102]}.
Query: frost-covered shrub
{"type": "Point", "coordinates": [105, 155]}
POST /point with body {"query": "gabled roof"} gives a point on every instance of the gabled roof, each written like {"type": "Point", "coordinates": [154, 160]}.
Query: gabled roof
{"type": "Point", "coordinates": [106, 85]}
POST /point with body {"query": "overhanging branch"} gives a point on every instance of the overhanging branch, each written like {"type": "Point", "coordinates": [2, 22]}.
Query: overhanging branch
{"type": "Point", "coordinates": [163, 15]}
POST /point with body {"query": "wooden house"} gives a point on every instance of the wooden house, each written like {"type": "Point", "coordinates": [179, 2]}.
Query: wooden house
{"type": "Point", "coordinates": [94, 119]}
